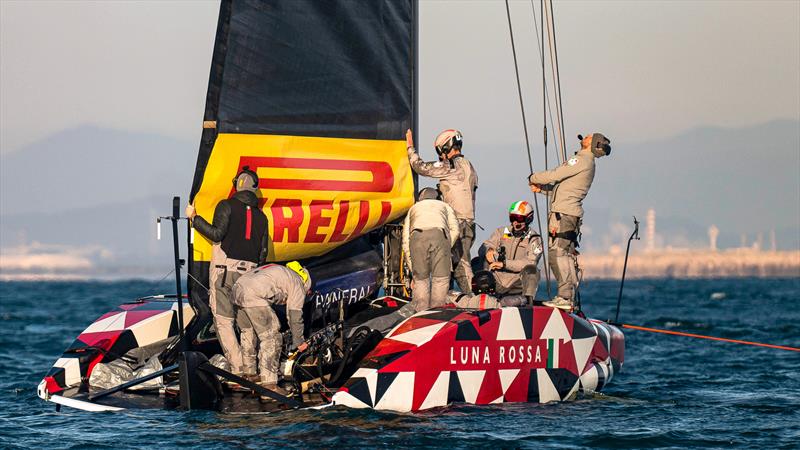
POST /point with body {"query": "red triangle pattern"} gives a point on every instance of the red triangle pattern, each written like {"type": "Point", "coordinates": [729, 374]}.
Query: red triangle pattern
{"type": "Point", "coordinates": [569, 320]}
{"type": "Point", "coordinates": [388, 346]}
{"type": "Point", "coordinates": [134, 317]}
{"type": "Point", "coordinates": [566, 357]}
{"type": "Point", "coordinates": [93, 339]}
{"type": "Point", "coordinates": [491, 388]}
{"type": "Point", "coordinates": [129, 307]}
{"type": "Point", "coordinates": [599, 352]}
{"type": "Point", "coordinates": [107, 315]}
{"type": "Point", "coordinates": [541, 315]}
{"type": "Point", "coordinates": [415, 323]}
{"type": "Point", "coordinates": [518, 389]}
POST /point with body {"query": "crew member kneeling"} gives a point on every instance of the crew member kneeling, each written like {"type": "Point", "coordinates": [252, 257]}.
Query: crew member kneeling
{"type": "Point", "coordinates": [255, 292]}
{"type": "Point", "coordinates": [483, 291]}
{"type": "Point", "coordinates": [513, 253]}
{"type": "Point", "coordinates": [429, 231]}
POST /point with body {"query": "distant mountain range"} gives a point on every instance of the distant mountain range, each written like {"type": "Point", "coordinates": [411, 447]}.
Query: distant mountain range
{"type": "Point", "coordinates": [90, 166]}
{"type": "Point", "coordinates": [92, 186]}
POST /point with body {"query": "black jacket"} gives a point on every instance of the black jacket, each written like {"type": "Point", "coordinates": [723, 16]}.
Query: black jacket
{"type": "Point", "coordinates": [231, 226]}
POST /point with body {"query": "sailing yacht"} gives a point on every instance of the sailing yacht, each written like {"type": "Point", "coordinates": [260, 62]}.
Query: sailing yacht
{"type": "Point", "coordinates": [316, 97]}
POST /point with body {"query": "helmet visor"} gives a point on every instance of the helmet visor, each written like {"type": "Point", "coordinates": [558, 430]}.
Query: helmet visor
{"type": "Point", "coordinates": [519, 218]}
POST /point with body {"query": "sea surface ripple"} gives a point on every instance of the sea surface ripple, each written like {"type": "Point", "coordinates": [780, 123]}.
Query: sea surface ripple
{"type": "Point", "coordinates": [673, 392]}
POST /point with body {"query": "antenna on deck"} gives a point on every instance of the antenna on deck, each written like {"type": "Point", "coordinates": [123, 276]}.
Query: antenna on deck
{"type": "Point", "coordinates": [174, 218]}
{"type": "Point", "coordinates": [634, 235]}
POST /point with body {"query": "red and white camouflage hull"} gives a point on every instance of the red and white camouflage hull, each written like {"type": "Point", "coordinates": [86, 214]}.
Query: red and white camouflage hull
{"type": "Point", "coordinates": [450, 355]}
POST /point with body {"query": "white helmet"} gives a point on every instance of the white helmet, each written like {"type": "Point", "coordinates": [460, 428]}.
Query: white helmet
{"type": "Point", "coordinates": [448, 140]}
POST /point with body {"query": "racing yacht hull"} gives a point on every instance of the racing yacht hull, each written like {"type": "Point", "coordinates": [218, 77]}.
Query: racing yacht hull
{"type": "Point", "coordinates": [449, 355]}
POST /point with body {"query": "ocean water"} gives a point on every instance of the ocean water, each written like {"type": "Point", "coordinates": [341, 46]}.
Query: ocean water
{"type": "Point", "coordinates": [673, 392]}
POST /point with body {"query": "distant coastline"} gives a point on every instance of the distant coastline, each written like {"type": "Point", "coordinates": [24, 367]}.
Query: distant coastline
{"type": "Point", "coordinates": [686, 263]}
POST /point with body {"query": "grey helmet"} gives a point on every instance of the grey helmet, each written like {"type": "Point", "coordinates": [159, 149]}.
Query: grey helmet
{"type": "Point", "coordinates": [246, 180]}
{"type": "Point", "coordinates": [600, 146]}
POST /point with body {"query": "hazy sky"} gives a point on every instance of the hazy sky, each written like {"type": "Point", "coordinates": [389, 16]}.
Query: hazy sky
{"type": "Point", "coordinates": [639, 71]}
{"type": "Point", "coordinates": [634, 69]}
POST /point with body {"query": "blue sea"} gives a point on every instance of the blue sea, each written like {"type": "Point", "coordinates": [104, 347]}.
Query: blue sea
{"type": "Point", "coordinates": [673, 392]}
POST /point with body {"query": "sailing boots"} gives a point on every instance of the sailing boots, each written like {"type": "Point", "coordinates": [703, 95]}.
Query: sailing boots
{"type": "Point", "coordinates": [560, 303]}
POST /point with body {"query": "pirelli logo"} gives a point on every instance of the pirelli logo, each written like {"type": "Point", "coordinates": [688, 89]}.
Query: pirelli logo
{"type": "Point", "coordinates": [313, 174]}
{"type": "Point", "coordinates": [316, 192]}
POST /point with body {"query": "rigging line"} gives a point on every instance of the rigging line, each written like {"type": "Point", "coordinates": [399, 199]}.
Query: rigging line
{"type": "Point", "coordinates": [553, 64]}
{"type": "Point", "coordinates": [159, 281]}
{"type": "Point", "coordinates": [547, 109]}
{"type": "Point", "coordinates": [558, 81]}
{"type": "Point", "coordinates": [524, 122]}
{"type": "Point", "coordinates": [519, 88]}
{"type": "Point", "coordinates": [545, 104]}
{"type": "Point", "coordinates": [713, 338]}
{"type": "Point", "coordinates": [197, 281]}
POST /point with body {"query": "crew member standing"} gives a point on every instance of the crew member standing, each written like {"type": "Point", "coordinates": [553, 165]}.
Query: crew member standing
{"type": "Point", "coordinates": [567, 186]}
{"type": "Point", "coordinates": [429, 231]}
{"type": "Point", "coordinates": [457, 182]}
{"type": "Point", "coordinates": [255, 293]}
{"type": "Point", "coordinates": [240, 234]}
{"type": "Point", "coordinates": [513, 253]}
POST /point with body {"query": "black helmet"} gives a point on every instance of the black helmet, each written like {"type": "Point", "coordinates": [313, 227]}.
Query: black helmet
{"type": "Point", "coordinates": [483, 283]}
{"type": "Point", "coordinates": [245, 180]}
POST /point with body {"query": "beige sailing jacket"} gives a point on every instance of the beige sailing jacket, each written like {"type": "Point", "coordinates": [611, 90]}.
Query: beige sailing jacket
{"type": "Point", "coordinates": [272, 284]}
{"type": "Point", "coordinates": [457, 181]}
{"type": "Point", "coordinates": [568, 183]}
{"type": "Point", "coordinates": [425, 215]}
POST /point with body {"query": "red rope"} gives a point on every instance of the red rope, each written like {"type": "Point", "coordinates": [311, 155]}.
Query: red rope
{"type": "Point", "coordinates": [700, 336]}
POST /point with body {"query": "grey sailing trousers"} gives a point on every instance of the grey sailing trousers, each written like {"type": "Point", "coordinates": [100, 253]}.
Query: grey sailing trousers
{"type": "Point", "coordinates": [461, 253]}
{"type": "Point", "coordinates": [267, 328]}
{"type": "Point", "coordinates": [239, 351]}
{"type": "Point", "coordinates": [526, 284]}
{"type": "Point", "coordinates": [561, 252]}
{"type": "Point", "coordinates": [430, 268]}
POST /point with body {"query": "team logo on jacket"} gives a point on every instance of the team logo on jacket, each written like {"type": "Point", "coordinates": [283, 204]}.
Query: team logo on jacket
{"type": "Point", "coordinates": [572, 161]}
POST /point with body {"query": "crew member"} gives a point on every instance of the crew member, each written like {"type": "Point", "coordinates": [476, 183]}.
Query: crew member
{"type": "Point", "coordinates": [240, 237]}
{"type": "Point", "coordinates": [255, 292]}
{"type": "Point", "coordinates": [513, 252]}
{"type": "Point", "coordinates": [483, 293]}
{"type": "Point", "coordinates": [429, 231]}
{"type": "Point", "coordinates": [457, 182]}
{"type": "Point", "coordinates": [567, 186]}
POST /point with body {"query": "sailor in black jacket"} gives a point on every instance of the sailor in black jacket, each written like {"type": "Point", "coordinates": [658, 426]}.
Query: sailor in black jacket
{"type": "Point", "coordinates": [240, 234]}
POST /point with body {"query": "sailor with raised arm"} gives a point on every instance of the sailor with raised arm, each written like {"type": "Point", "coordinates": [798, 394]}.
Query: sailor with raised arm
{"type": "Point", "coordinates": [240, 234]}
{"type": "Point", "coordinates": [457, 182]}
{"type": "Point", "coordinates": [256, 292]}
{"type": "Point", "coordinates": [513, 252]}
{"type": "Point", "coordinates": [567, 186]}
{"type": "Point", "coordinates": [429, 231]}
